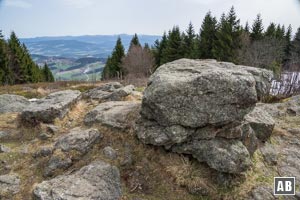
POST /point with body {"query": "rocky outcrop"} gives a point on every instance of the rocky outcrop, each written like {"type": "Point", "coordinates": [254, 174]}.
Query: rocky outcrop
{"type": "Point", "coordinates": [109, 92]}
{"type": "Point", "coordinates": [115, 114]}
{"type": "Point", "coordinates": [9, 185]}
{"type": "Point", "coordinates": [97, 180]}
{"type": "Point", "coordinates": [56, 105]}
{"type": "Point", "coordinates": [12, 103]}
{"type": "Point", "coordinates": [207, 109]}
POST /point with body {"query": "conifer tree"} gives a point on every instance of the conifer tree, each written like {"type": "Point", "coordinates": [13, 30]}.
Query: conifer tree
{"type": "Point", "coordinates": [228, 38]}
{"type": "Point", "coordinates": [271, 31]}
{"type": "Point", "coordinates": [208, 37]}
{"type": "Point", "coordinates": [5, 72]}
{"type": "Point", "coordinates": [16, 55]}
{"type": "Point", "coordinates": [16, 64]}
{"type": "Point", "coordinates": [189, 42]}
{"type": "Point", "coordinates": [257, 29]}
{"type": "Point", "coordinates": [280, 32]}
{"type": "Point", "coordinates": [158, 48]}
{"type": "Point", "coordinates": [173, 47]}
{"type": "Point", "coordinates": [112, 67]}
{"type": "Point", "coordinates": [134, 41]}
{"type": "Point", "coordinates": [247, 28]}
{"type": "Point", "coordinates": [288, 45]}
{"type": "Point", "coordinates": [47, 75]}
{"type": "Point", "coordinates": [296, 43]}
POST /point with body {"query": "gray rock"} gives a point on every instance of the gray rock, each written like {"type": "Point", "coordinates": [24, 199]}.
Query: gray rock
{"type": "Point", "coordinates": [58, 161]}
{"type": "Point", "coordinates": [4, 149]}
{"type": "Point", "coordinates": [270, 154]}
{"type": "Point", "coordinates": [3, 134]}
{"type": "Point", "coordinates": [263, 193]}
{"type": "Point", "coordinates": [150, 132]}
{"type": "Point", "coordinates": [9, 185]}
{"type": "Point", "coordinates": [261, 123]}
{"type": "Point", "coordinates": [289, 107]}
{"type": "Point", "coordinates": [103, 92]}
{"type": "Point", "coordinates": [43, 152]}
{"type": "Point", "coordinates": [109, 92]}
{"type": "Point", "coordinates": [289, 163]}
{"type": "Point", "coordinates": [120, 93]}
{"type": "Point", "coordinates": [224, 155]}
{"type": "Point", "coordinates": [97, 180]}
{"type": "Point", "coordinates": [78, 139]}
{"type": "Point", "coordinates": [110, 153]}
{"type": "Point", "coordinates": [12, 103]}
{"type": "Point", "coordinates": [195, 93]}
{"type": "Point", "coordinates": [45, 136]}
{"type": "Point", "coordinates": [52, 129]}
{"type": "Point", "coordinates": [55, 105]}
{"type": "Point", "coordinates": [115, 114]}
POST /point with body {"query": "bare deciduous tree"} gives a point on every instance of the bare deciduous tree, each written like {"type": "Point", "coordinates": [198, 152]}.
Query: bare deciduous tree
{"type": "Point", "coordinates": [266, 53]}
{"type": "Point", "coordinates": [138, 63]}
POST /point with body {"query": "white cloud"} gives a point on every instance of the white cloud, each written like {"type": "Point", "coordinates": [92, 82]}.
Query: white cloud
{"type": "Point", "coordinates": [17, 3]}
{"type": "Point", "coordinates": [79, 3]}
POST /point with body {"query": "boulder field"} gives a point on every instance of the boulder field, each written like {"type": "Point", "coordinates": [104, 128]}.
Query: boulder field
{"type": "Point", "coordinates": [200, 131]}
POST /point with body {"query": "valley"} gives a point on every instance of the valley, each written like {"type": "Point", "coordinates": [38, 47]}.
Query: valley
{"type": "Point", "coordinates": [80, 58]}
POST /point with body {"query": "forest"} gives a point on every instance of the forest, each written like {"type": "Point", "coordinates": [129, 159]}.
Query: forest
{"type": "Point", "coordinates": [17, 66]}
{"type": "Point", "coordinates": [274, 47]}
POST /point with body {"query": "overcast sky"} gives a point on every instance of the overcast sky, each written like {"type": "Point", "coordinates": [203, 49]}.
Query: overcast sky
{"type": "Point", "coordinates": [31, 18]}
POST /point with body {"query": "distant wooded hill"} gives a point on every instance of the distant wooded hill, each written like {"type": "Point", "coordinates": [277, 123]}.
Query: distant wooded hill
{"type": "Point", "coordinates": [80, 46]}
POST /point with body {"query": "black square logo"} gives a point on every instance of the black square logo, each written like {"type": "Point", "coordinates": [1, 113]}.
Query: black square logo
{"type": "Point", "coordinates": [284, 185]}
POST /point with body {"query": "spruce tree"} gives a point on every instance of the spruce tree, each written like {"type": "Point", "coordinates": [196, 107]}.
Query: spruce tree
{"type": "Point", "coordinates": [16, 56]}
{"type": "Point", "coordinates": [271, 31]}
{"type": "Point", "coordinates": [207, 37]}
{"type": "Point", "coordinates": [173, 50]}
{"type": "Point", "coordinates": [296, 43]}
{"type": "Point", "coordinates": [112, 67]}
{"type": "Point", "coordinates": [158, 48]}
{"type": "Point", "coordinates": [288, 45]}
{"type": "Point", "coordinates": [280, 32]}
{"type": "Point", "coordinates": [189, 42]}
{"type": "Point", "coordinates": [47, 74]}
{"type": "Point", "coordinates": [247, 28]}
{"type": "Point", "coordinates": [228, 38]}
{"type": "Point", "coordinates": [134, 41]}
{"type": "Point", "coordinates": [257, 29]}
{"type": "Point", "coordinates": [5, 72]}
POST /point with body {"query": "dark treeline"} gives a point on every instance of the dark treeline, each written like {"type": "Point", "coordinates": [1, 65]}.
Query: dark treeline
{"type": "Point", "coordinates": [17, 66]}
{"type": "Point", "coordinates": [225, 39]}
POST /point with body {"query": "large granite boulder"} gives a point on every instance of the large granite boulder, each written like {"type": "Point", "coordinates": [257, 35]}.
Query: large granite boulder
{"type": "Point", "coordinates": [97, 180]}
{"type": "Point", "coordinates": [207, 109]}
{"type": "Point", "coordinates": [55, 105]}
{"type": "Point", "coordinates": [115, 114]}
{"type": "Point", "coordinates": [113, 91]}
{"type": "Point", "coordinates": [195, 93]}
{"type": "Point", "coordinates": [12, 103]}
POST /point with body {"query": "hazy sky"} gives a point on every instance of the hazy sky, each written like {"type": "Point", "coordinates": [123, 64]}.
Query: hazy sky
{"type": "Point", "coordinates": [30, 18]}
